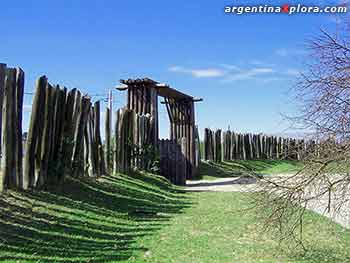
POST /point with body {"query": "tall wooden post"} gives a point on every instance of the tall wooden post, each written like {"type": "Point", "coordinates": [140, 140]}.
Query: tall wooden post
{"type": "Point", "coordinates": [18, 125]}
{"type": "Point", "coordinates": [34, 135]}
{"type": "Point", "coordinates": [2, 87]}
{"type": "Point", "coordinates": [8, 140]}
{"type": "Point", "coordinates": [108, 139]}
{"type": "Point", "coordinates": [108, 127]}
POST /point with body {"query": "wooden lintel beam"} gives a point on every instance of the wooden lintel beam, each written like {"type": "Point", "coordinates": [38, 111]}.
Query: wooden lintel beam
{"type": "Point", "coordinates": [162, 85]}
{"type": "Point", "coordinates": [194, 100]}
{"type": "Point", "coordinates": [121, 88]}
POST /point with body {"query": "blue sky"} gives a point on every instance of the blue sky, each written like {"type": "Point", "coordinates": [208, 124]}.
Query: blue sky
{"type": "Point", "coordinates": [242, 66]}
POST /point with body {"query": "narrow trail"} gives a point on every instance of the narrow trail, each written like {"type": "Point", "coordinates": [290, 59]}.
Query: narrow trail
{"type": "Point", "coordinates": [246, 184]}
{"type": "Point", "coordinates": [232, 184]}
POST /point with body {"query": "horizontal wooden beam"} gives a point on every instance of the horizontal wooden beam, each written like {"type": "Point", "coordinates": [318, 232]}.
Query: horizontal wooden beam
{"type": "Point", "coordinates": [138, 81]}
{"type": "Point", "coordinates": [162, 85]}
{"type": "Point", "coordinates": [194, 100]}
{"type": "Point", "coordinates": [122, 88]}
{"type": "Point", "coordinates": [197, 99]}
{"type": "Point", "coordinates": [163, 89]}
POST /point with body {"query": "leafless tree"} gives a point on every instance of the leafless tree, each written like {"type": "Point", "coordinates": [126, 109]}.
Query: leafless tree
{"type": "Point", "coordinates": [323, 97]}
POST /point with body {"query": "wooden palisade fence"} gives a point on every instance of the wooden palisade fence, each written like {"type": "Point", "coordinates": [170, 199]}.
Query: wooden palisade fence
{"type": "Point", "coordinates": [229, 145]}
{"type": "Point", "coordinates": [132, 136]}
{"type": "Point", "coordinates": [64, 134]}
{"type": "Point", "coordinates": [63, 137]}
{"type": "Point", "coordinates": [173, 161]}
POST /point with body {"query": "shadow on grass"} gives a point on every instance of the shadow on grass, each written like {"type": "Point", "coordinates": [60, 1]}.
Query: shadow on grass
{"type": "Point", "coordinates": [315, 255]}
{"type": "Point", "coordinates": [86, 220]}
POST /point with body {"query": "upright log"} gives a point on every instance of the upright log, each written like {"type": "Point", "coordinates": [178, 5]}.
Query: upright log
{"type": "Point", "coordinates": [91, 145]}
{"type": "Point", "coordinates": [18, 126]}
{"type": "Point", "coordinates": [2, 87]}
{"type": "Point", "coordinates": [116, 141]}
{"type": "Point", "coordinates": [46, 140]}
{"type": "Point", "coordinates": [108, 140]}
{"type": "Point", "coordinates": [69, 131]}
{"type": "Point", "coordinates": [34, 135]}
{"type": "Point", "coordinates": [8, 126]}
{"type": "Point", "coordinates": [78, 152]}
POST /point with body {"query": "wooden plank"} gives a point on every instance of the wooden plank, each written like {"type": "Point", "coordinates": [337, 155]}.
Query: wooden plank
{"type": "Point", "coordinates": [10, 179]}
{"type": "Point", "coordinates": [116, 141]}
{"type": "Point", "coordinates": [45, 143]}
{"type": "Point", "coordinates": [184, 162]}
{"type": "Point", "coordinates": [108, 140]}
{"type": "Point", "coordinates": [82, 119]}
{"type": "Point", "coordinates": [89, 133]}
{"type": "Point", "coordinates": [69, 131]}
{"type": "Point", "coordinates": [34, 135]}
{"type": "Point", "coordinates": [60, 122]}
{"type": "Point", "coordinates": [101, 161]}
{"type": "Point", "coordinates": [18, 126]}
{"type": "Point", "coordinates": [2, 86]}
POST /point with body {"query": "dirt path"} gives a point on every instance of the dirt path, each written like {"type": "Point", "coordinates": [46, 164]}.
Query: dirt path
{"type": "Point", "coordinates": [236, 184]}
{"type": "Point", "coordinates": [243, 184]}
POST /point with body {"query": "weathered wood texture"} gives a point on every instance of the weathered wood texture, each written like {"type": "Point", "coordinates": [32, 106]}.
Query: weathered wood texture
{"type": "Point", "coordinates": [93, 154]}
{"type": "Point", "coordinates": [237, 146]}
{"type": "Point", "coordinates": [143, 99]}
{"type": "Point", "coordinates": [173, 161]}
{"type": "Point", "coordinates": [182, 125]}
{"type": "Point", "coordinates": [11, 96]}
{"type": "Point", "coordinates": [63, 137]}
{"type": "Point", "coordinates": [2, 87]}
{"type": "Point", "coordinates": [133, 138]}
{"type": "Point", "coordinates": [108, 153]}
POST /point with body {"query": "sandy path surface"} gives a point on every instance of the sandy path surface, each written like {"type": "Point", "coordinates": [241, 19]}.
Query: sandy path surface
{"type": "Point", "coordinates": [234, 184]}
{"type": "Point", "coordinates": [243, 184]}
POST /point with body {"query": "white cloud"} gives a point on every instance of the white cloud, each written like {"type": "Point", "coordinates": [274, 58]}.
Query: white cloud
{"type": "Point", "coordinates": [248, 74]}
{"type": "Point", "coordinates": [176, 69]}
{"type": "Point", "coordinates": [272, 79]}
{"type": "Point", "coordinates": [284, 52]}
{"type": "Point", "coordinates": [263, 70]}
{"type": "Point", "coordinates": [207, 73]}
{"type": "Point", "coordinates": [230, 73]}
{"type": "Point", "coordinates": [199, 73]}
{"type": "Point", "coordinates": [256, 62]}
{"type": "Point", "coordinates": [230, 67]}
{"type": "Point", "coordinates": [292, 72]}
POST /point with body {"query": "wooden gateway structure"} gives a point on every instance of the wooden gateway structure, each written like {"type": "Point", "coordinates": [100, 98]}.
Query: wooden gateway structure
{"type": "Point", "coordinates": [142, 98]}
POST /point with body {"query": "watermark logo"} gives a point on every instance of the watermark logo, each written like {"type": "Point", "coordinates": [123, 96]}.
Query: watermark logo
{"type": "Point", "coordinates": [285, 9]}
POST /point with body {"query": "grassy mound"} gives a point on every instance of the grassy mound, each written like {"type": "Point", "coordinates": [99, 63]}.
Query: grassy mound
{"type": "Point", "coordinates": [86, 220]}
{"type": "Point", "coordinates": [142, 218]}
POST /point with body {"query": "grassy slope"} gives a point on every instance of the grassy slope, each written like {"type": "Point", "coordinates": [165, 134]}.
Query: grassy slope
{"type": "Point", "coordinates": [100, 221]}
{"type": "Point", "coordinates": [216, 230]}
{"type": "Point", "coordinates": [210, 170]}
{"type": "Point", "coordinates": [86, 221]}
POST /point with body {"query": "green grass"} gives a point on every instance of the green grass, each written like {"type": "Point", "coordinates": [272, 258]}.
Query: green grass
{"type": "Point", "coordinates": [142, 218]}
{"type": "Point", "coordinates": [215, 230]}
{"type": "Point", "coordinates": [87, 220]}
{"type": "Point", "coordinates": [211, 170]}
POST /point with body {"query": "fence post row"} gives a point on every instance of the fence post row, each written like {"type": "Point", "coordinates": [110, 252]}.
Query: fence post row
{"type": "Point", "coordinates": [228, 145]}
{"type": "Point", "coordinates": [64, 134]}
